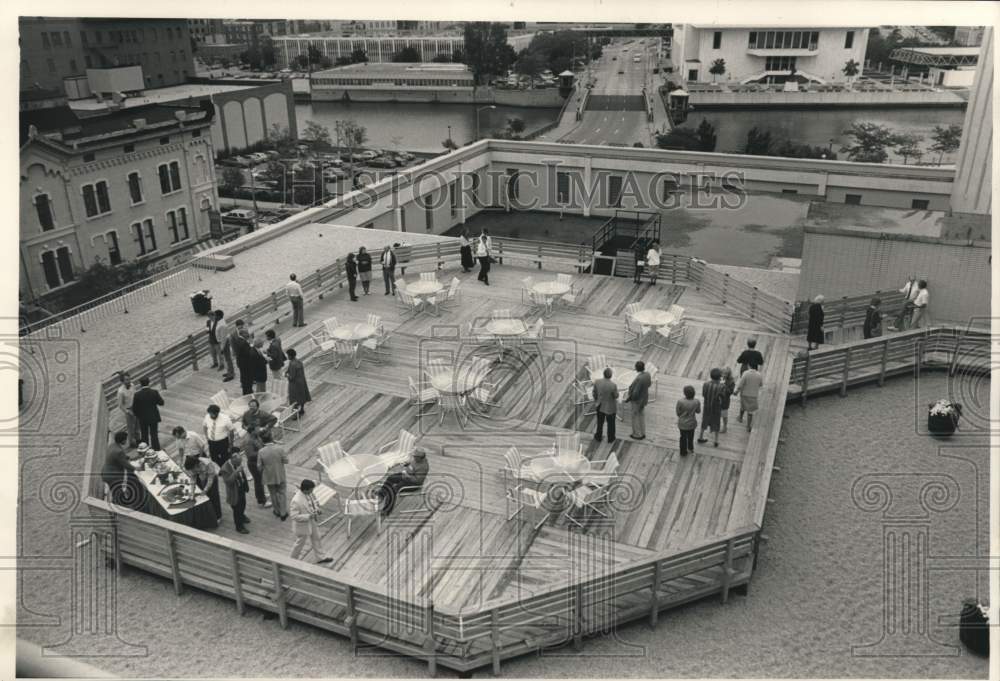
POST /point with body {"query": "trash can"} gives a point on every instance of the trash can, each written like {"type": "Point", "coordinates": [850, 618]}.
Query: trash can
{"type": "Point", "coordinates": [201, 302]}
{"type": "Point", "coordinates": [973, 628]}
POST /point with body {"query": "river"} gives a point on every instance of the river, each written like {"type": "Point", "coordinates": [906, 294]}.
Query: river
{"type": "Point", "coordinates": [818, 127]}
{"type": "Point", "coordinates": [419, 127]}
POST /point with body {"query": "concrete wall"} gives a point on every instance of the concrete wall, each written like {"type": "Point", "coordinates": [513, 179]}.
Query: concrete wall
{"type": "Point", "coordinates": [246, 117]}
{"type": "Point", "coordinates": [810, 99]}
{"type": "Point", "coordinates": [958, 276]}
{"type": "Point", "coordinates": [952, 77]}
{"type": "Point", "coordinates": [457, 95]}
{"type": "Point", "coordinates": [973, 192]}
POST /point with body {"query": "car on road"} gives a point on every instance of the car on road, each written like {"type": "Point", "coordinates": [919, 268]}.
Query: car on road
{"type": "Point", "coordinates": [240, 216]}
{"type": "Point", "coordinates": [614, 58]}
{"type": "Point", "coordinates": [381, 162]}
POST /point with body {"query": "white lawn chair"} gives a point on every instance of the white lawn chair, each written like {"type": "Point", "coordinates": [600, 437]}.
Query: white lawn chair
{"type": "Point", "coordinates": [410, 303]}
{"type": "Point", "coordinates": [428, 276]}
{"type": "Point", "coordinates": [677, 311]}
{"type": "Point", "coordinates": [540, 301]}
{"type": "Point", "coordinates": [632, 308]}
{"type": "Point", "coordinates": [436, 366]}
{"type": "Point", "coordinates": [483, 397]}
{"type": "Point", "coordinates": [568, 443]}
{"type": "Point", "coordinates": [431, 304]}
{"type": "Point", "coordinates": [566, 279]}
{"type": "Point", "coordinates": [516, 467]}
{"type": "Point", "coordinates": [634, 331]}
{"type": "Point", "coordinates": [375, 322]}
{"type": "Point", "coordinates": [452, 403]}
{"type": "Point", "coordinates": [346, 350]}
{"type": "Point", "coordinates": [329, 454]}
{"type": "Point", "coordinates": [501, 314]}
{"type": "Point", "coordinates": [279, 387]}
{"type": "Point", "coordinates": [653, 371]}
{"type": "Point", "coordinates": [398, 451]}
{"type": "Point", "coordinates": [535, 334]}
{"type": "Point", "coordinates": [584, 390]}
{"type": "Point", "coordinates": [453, 292]}
{"type": "Point", "coordinates": [595, 490]}
{"type": "Point", "coordinates": [478, 335]}
{"type": "Point", "coordinates": [365, 507]}
{"type": "Point", "coordinates": [221, 399]}
{"type": "Point", "coordinates": [521, 497]}
{"type": "Point", "coordinates": [329, 325]}
{"type": "Point", "coordinates": [325, 348]}
{"type": "Point", "coordinates": [422, 393]}
{"type": "Point", "coordinates": [673, 334]}
{"type": "Point", "coordinates": [526, 285]}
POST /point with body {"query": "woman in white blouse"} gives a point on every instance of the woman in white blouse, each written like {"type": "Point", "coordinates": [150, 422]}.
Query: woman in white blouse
{"type": "Point", "coordinates": [653, 261]}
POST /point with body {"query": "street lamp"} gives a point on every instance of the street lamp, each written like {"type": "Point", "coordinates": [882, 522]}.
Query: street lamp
{"type": "Point", "coordinates": [479, 111]}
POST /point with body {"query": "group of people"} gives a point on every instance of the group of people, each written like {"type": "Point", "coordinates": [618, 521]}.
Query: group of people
{"type": "Point", "coordinates": [359, 266]}
{"type": "Point", "coordinates": [606, 396]}
{"type": "Point", "coordinates": [478, 249]}
{"type": "Point", "coordinates": [716, 397]}
{"type": "Point", "coordinates": [912, 313]}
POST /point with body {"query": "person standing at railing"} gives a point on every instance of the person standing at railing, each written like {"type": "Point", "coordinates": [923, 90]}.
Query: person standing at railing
{"type": "Point", "coordinates": [815, 335]}
{"type": "Point", "coordinates": [653, 261]}
{"type": "Point", "coordinates": [389, 269]}
{"type": "Point", "coordinates": [222, 332]}
{"type": "Point", "coordinates": [910, 292]}
{"type": "Point", "coordinates": [873, 320]}
{"type": "Point", "coordinates": [214, 343]}
{"type": "Point", "coordinates": [351, 267]}
{"type": "Point", "coordinates": [468, 262]}
{"type": "Point", "coordinates": [126, 392]}
{"type": "Point", "coordinates": [365, 269]}
{"type": "Point", "coordinates": [920, 305]}
{"type": "Point", "coordinates": [294, 290]}
{"type": "Point", "coordinates": [145, 406]}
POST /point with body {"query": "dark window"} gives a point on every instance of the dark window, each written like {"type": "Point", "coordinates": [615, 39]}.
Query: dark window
{"type": "Point", "coordinates": [103, 199]}
{"type": "Point", "coordinates": [692, 74]}
{"type": "Point", "coordinates": [512, 180]}
{"type": "Point", "coordinates": [114, 253]}
{"type": "Point", "coordinates": [56, 39]}
{"type": "Point", "coordinates": [753, 40]}
{"type": "Point", "coordinates": [65, 264]}
{"type": "Point", "coordinates": [134, 188]}
{"type": "Point", "coordinates": [717, 40]}
{"type": "Point", "coordinates": [87, 61]}
{"type": "Point", "coordinates": [145, 236]}
{"type": "Point", "coordinates": [83, 37]}
{"type": "Point", "coordinates": [164, 140]}
{"type": "Point", "coordinates": [814, 40]}
{"type": "Point", "coordinates": [89, 200]}
{"type": "Point", "coordinates": [170, 177]}
{"type": "Point", "coordinates": [50, 62]}
{"type": "Point", "coordinates": [429, 213]}
{"type": "Point", "coordinates": [453, 199]}
{"type": "Point", "coordinates": [89, 157]}
{"type": "Point", "coordinates": [562, 188]}
{"type": "Point", "coordinates": [615, 191]}
{"type": "Point", "coordinates": [50, 269]}
{"type": "Point", "coordinates": [920, 204]}
{"type": "Point", "coordinates": [852, 199]}
{"type": "Point", "coordinates": [789, 191]}
{"type": "Point", "coordinates": [97, 34]}
{"type": "Point", "coordinates": [196, 133]}
{"type": "Point", "coordinates": [72, 66]}
{"type": "Point", "coordinates": [175, 175]}
{"type": "Point", "coordinates": [66, 39]}
{"type": "Point", "coordinates": [172, 227]}
{"type": "Point", "coordinates": [128, 148]}
{"type": "Point", "coordinates": [849, 40]}
{"type": "Point", "coordinates": [45, 40]}
{"type": "Point", "coordinates": [44, 208]}
{"type": "Point", "coordinates": [164, 179]}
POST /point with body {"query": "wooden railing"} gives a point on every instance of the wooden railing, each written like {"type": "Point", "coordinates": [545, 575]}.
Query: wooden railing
{"type": "Point", "coordinates": [745, 299]}
{"type": "Point", "coordinates": [848, 312]}
{"type": "Point", "coordinates": [865, 361]}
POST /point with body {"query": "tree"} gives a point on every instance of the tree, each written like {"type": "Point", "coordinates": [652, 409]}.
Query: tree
{"type": "Point", "coordinates": [359, 56]}
{"type": "Point", "coordinates": [706, 136]}
{"type": "Point", "coordinates": [342, 61]}
{"type": "Point", "coordinates": [449, 144]}
{"type": "Point", "coordinates": [486, 49]}
{"type": "Point", "coordinates": [718, 68]}
{"type": "Point", "coordinates": [302, 61]}
{"type": "Point", "coordinates": [908, 146]}
{"type": "Point", "coordinates": [350, 135]}
{"type": "Point", "coordinates": [314, 55]}
{"type": "Point", "coordinates": [268, 58]}
{"type": "Point", "coordinates": [946, 140]}
{"type": "Point", "coordinates": [530, 63]}
{"type": "Point", "coordinates": [325, 63]}
{"type": "Point", "coordinates": [758, 142]}
{"type": "Point", "coordinates": [458, 56]}
{"type": "Point", "coordinates": [683, 139]}
{"type": "Point", "coordinates": [851, 69]}
{"type": "Point", "coordinates": [315, 132]}
{"type": "Point", "coordinates": [232, 179]}
{"type": "Point", "coordinates": [869, 142]}
{"type": "Point", "coordinates": [101, 278]}
{"type": "Point", "coordinates": [515, 125]}
{"type": "Point", "coordinates": [407, 55]}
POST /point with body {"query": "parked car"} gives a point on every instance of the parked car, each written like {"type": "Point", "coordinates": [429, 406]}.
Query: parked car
{"type": "Point", "coordinates": [369, 154]}
{"type": "Point", "coordinates": [382, 162]}
{"type": "Point", "coordinates": [405, 155]}
{"type": "Point", "coordinates": [332, 174]}
{"type": "Point", "coordinates": [240, 216]}
{"type": "Point", "coordinates": [259, 157]}
{"type": "Point", "coordinates": [620, 71]}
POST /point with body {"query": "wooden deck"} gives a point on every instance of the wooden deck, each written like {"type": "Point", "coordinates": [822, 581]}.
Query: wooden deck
{"type": "Point", "coordinates": [463, 551]}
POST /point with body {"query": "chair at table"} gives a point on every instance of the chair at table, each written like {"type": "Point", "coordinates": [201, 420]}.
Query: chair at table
{"type": "Point", "coordinates": [346, 350]}
{"type": "Point", "coordinates": [221, 399]}
{"type": "Point", "coordinates": [363, 507]}
{"type": "Point", "coordinates": [422, 393]}
{"type": "Point", "coordinates": [454, 404]}
{"type": "Point", "coordinates": [330, 453]}
{"type": "Point", "coordinates": [329, 325]}
{"type": "Point", "coordinates": [568, 443]}
{"type": "Point", "coordinates": [501, 314]}
{"type": "Point", "coordinates": [568, 298]}
{"type": "Point", "coordinates": [677, 311]}
{"type": "Point", "coordinates": [398, 451]}
{"type": "Point", "coordinates": [477, 335]}
{"type": "Point", "coordinates": [428, 276]}
{"type": "Point", "coordinates": [325, 348]}
{"type": "Point", "coordinates": [634, 331]}
{"type": "Point", "coordinates": [597, 363]}
{"type": "Point", "coordinates": [534, 335]}
{"type": "Point", "coordinates": [436, 366]}
{"type": "Point", "coordinates": [286, 412]}
{"type": "Point", "coordinates": [410, 303]}
{"type": "Point", "coordinates": [526, 285]}
{"type": "Point", "coordinates": [673, 334]}
{"type": "Point", "coordinates": [540, 301]}
{"type": "Point", "coordinates": [654, 379]}
{"type": "Point", "coordinates": [522, 497]}
{"type": "Point", "coordinates": [483, 397]}
{"type": "Point", "coordinates": [516, 466]}
{"type": "Point", "coordinates": [632, 308]}
{"type": "Point", "coordinates": [595, 490]}
{"type": "Point", "coordinates": [453, 293]}
{"type": "Point", "coordinates": [584, 395]}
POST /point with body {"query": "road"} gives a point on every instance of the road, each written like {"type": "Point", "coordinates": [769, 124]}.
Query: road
{"type": "Point", "coordinates": [616, 112]}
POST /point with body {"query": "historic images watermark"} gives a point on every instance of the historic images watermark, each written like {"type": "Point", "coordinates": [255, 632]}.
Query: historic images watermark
{"type": "Point", "coordinates": [49, 392]}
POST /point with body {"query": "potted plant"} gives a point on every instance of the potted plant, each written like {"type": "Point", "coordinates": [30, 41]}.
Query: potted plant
{"type": "Point", "coordinates": [942, 417]}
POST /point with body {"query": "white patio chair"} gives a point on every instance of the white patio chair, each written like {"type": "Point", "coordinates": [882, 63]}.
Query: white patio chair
{"type": "Point", "coordinates": [284, 415]}
{"type": "Point", "coordinates": [677, 311]}
{"type": "Point", "coordinates": [453, 293]}
{"type": "Point", "coordinates": [221, 399]}
{"type": "Point", "coordinates": [329, 325]}
{"type": "Point", "coordinates": [526, 285]}
{"type": "Point", "coordinates": [346, 350]}
{"type": "Point", "coordinates": [398, 451]}
{"type": "Point", "coordinates": [534, 335]}
{"type": "Point", "coordinates": [653, 371]}
{"type": "Point", "coordinates": [436, 366]}
{"type": "Point", "coordinates": [483, 397]}
{"type": "Point", "coordinates": [431, 304]}
{"type": "Point", "coordinates": [422, 393]}
{"type": "Point", "coordinates": [563, 278]}
{"type": "Point", "coordinates": [516, 466]}
{"type": "Point", "coordinates": [364, 507]}
{"type": "Point", "coordinates": [634, 331]}
{"type": "Point", "coordinates": [584, 395]}
{"type": "Point", "coordinates": [375, 322]}
{"type": "Point", "coordinates": [673, 334]}
{"type": "Point", "coordinates": [370, 349]}
{"type": "Point", "coordinates": [325, 348]}
{"type": "Point", "coordinates": [452, 403]}
{"type": "Point", "coordinates": [501, 314]}
{"type": "Point", "coordinates": [329, 454]}
{"type": "Point", "coordinates": [279, 387]}
{"type": "Point", "coordinates": [632, 308]}
{"type": "Point", "coordinates": [523, 497]}
{"type": "Point", "coordinates": [428, 276]}
{"type": "Point", "coordinates": [540, 300]}
{"type": "Point", "coordinates": [568, 443]}
{"type": "Point", "coordinates": [595, 492]}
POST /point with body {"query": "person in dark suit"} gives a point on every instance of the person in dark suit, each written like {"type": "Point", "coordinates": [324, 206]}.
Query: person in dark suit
{"type": "Point", "coordinates": [119, 474]}
{"type": "Point", "coordinates": [351, 267]}
{"type": "Point", "coordinates": [413, 475]}
{"type": "Point", "coordinates": [365, 269]}
{"type": "Point", "coordinates": [389, 269]}
{"type": "Point", "coordinates": [815, 335]}
{"type": "Point", "coordinates": [751, 357]}
{"type": "Point", "coordinates": [606, 398]}
{"type": "Point", "coordinates": [145, 406]}
{"type": "Point", "coordinates": [298, 388]}
{"type": "Point", "coordinates": [234, 475]}
{"type": "Point", "coordinates": [240, 342]}
{"type": "Point", "coordinates": [638, 398]}
{"type": "Point", "coordinates": [258, 365]}
{"type": "Point", "coordinates": [275, 354]}
{"type": "Point", "coordinates": [873, 319]}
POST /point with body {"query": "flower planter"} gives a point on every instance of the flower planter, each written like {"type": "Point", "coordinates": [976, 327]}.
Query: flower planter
{"type": "Point", "coordinates": [942, 418]}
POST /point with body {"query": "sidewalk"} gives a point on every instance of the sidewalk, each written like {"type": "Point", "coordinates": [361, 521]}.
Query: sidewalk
{"type": "Point", "coordinates": [568, 122]}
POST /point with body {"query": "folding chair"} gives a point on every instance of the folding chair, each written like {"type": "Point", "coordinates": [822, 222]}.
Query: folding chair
{"type": "Point", "coordinates": [653, 371]}
{"type": "Point", "coordinates": [634, 331]}
{"type": "Point", "coordinates": [501, 314]}
{"type": "Point", "coordinates": [329, 454]}
{"type": "Point", "coordinates": [568, 443]}
{"type": "Point", "coordinates": [566, 279]}
{"type": "Point", "coordinates": [632, 308]}
{"type": "Point", "coordinates": [526, 285]}
{"type": "Point", "coordinates": [285, 414]}
{"type": "Point", "coordinates": [410, 492]}
{"type": "Point", "coordinates": [428, 276]}
{"type": "Point", "coordinates": [534, 335]}
{"type": "Point", "coordinates": [597, 363]}
{"type": "Point", "coordinates": [673, 334]}
{"type": "Point", "coordinates": [677, 311]}
{"type": "Point", "coordinates": [361, 508]}
{"type": "Point", "coordinates": [422, 393]}
{"type": "Point", "coordinates": [482, 397]}
{"type": "Point", "coordinates": [398, 451]}
{"type": "Point", "coordinates": [540, 300]}
{"type": "Point", "coordinates": [346, 349]}
{"type": "Point", "coordinates": [524, 497]}
{"type": "Point", "coordinates": [453, 292]}
{"type": "Point", "coordinates": [594, 492]}
{"type": "Point", "coordinates": [325, 348]}
{"type": "Point", "coordinates": [452, 403]}
{"type": "Point", "coordinates": [516, 466]}
{"type": "Point", "coordinates": [329, 325]}
{"type": "Point", "coordinates": [584, 395]}
{"type": "Point", "coordinates": [221, 399]}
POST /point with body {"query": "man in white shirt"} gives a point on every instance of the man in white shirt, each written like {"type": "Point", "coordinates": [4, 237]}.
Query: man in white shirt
{"type": "Point", "coordinates": [126, 391]}
{"type": "Point", "coordinates": [920, 305]}
{"type": "Point", "coordinates": [909, 292]}
{"type": "Point", "coordinates": [653, 262]}
{"type": "Point", "coordinates": [222, 332]}
{"type": "Point", "coordinates": [294, 291]}
{"type": "Point", "coordinates": [189, 443]}
{"type": "Point", "coordinates": [219, 430]}
{"type": "Point", "coordinates": [389, 269]}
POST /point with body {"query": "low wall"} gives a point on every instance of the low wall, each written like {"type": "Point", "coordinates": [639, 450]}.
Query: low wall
{"type": "Point", "coordinates": [548, 98]}
{"type": "Point", "coordinates": [458, 95]}
{"type": "Point", "coordinates": [828, 100]}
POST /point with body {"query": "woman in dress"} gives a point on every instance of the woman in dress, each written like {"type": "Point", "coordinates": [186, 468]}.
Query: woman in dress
{"type": "Point", "coordinates": [873, 319]}
{"type": "Point", "coordinates": [711, 396]}
{"type": "Point", "coordinates": [729, 385]}
{"type": "Point", "coordinates": [298, 389]}
{"type": "Point", "coordinates": [468, 262]}
{"type": "Point", "coordinates": [364, 268]}
{"type": "Point", "coordinates": [815, 335]}
{"type": "Point", "coordinates": [352, 276]}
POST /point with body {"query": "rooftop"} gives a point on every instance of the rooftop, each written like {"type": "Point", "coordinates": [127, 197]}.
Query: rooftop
{"type": "Point", "coordinates": [163, 95]}
{"type": "Point", "coordinates": [395, 68]}
{"type": "Point", "coordinates": [897, 223]}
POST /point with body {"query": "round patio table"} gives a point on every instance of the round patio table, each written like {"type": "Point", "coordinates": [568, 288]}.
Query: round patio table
{"type": "Point", "coordinates": [559, 470]}
{"type": "Point", "coordinates": [356, 471]}
{"type": "Point", "coordinates": [551, 288]}
{"type": "Point", "coordinates": [269, 402]}
{"type": "Point", "coordinates": [424, 288]}
{"type": "Point", "coordinates": [459, 381]}
{"type": "Point", "coordinates": [506, 327]}
{"type": "Point", "coordinates": [654, 318]}
{"type": "Point", "coordinates": [622, 377]}
{"type": "Point", "coordinates": [353, 332]}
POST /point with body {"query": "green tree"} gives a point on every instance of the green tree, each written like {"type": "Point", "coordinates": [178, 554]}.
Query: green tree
{"type": "Point", "coordinates": [946, 140]}
{"type": "Point", "coordinates": [486, 49]}
{"type": "Point", "coordinates": [407, 55]}
{"type": "Point", "coordinates": [718, 68]}
{"type": "Point", "coordinates": [359, 56]}
{"type": "Point", "coordinates": [515, 125]}
{"type": "Point", "coordinates": [232, 179]}
{"type": "Point", "coordinates": [315, 132]}
{"type": "Point", "coordinates": [758, 142]}
{"type": "Point", "coordinates": [869, 142]}
{"type": "Point", "coordinates": [683, 139]}
{"type": "Point", "coordinates": [851, 68]}
{"type": "Point", "coordinates": [908, 145]}
{"type": "Point", "coordinates": [313, 54]}
{"type": "Point", "coordinates": [706, 136]}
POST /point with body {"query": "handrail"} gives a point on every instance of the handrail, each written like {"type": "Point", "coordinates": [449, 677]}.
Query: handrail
{"type": "Point", "coordinates": [847, 311]}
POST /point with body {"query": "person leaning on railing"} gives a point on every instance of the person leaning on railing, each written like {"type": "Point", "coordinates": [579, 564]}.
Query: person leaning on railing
{"type": "Point", "coordinates": [909, 292]}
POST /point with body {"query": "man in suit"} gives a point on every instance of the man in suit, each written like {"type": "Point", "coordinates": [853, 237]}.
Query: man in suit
{"type": "Point", "coordinates": [145, 406]}
{"type": "Point", "coordinates": [638, 397]}
{"type": "Point", "coordinates": [271, 460]}
{"type": "Point", "coordinates": [389, 269]}
{"type": "Point", "coordinates": [224, 336]}
{"type": "Point", "coordinates": [305, 511]}
{"type": "Point", "coordinates": [413, 474]}
{"type": "Point", "coordinates": [233, 473]}
{"type": "Point", "coordinates": [606, 399]}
